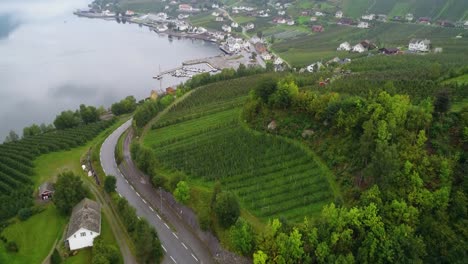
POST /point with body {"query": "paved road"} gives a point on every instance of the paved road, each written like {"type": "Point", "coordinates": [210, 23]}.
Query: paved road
{"type": "Point", "coordinates": [180, 247]}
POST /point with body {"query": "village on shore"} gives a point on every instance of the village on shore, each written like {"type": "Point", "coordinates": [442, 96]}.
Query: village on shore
{"type": "Point", "coordinates": [239, 47]}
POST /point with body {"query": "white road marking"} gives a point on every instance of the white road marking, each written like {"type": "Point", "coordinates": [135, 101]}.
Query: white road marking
{"type": "Point", "coordinates": [184, 245]}
{"type": "Point", "coordinates": [158, 216]}
{"type": "Point", "coordinates": [164, 248]}
{"type": "Point", "coordinates": [138, 194]}
{"type": "Point", "coordinates": [126, 181]}
{"type": "Point", "coordinates": [166, 225]}
{"type": "Point", "coordinates": [173, 259]}
{"type": "Point", "coordinates": [151, 208]}
{"type": "Point", "coordinates": [131, 186]}
{"type": "Point", "coordinates": [139, 218]}
{"type": "Point", "coordinates": [175, 235]}
{"type": "Point", "coordinates": [193, 256]}
{"type": "Point", "coordinates": [143, 200]}
{"type": "Point", "coordinates": [119, 195]}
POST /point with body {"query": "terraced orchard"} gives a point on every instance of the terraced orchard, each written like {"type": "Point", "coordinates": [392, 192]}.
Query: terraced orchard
{"type": "Point", "coordinates": [16, 158]}
{"type": "Point", "coordinates": [204, 137]}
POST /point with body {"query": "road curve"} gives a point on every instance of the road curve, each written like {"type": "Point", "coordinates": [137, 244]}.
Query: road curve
{"type": "Point", "coordinates": [176, 248]}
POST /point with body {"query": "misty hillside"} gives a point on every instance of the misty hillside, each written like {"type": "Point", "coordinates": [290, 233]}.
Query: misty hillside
{"type": "Point", "coordinates": [436, 9]}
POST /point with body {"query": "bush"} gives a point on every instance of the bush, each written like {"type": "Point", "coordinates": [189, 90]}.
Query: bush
{"type": "Point", "coordinates": [182, 192]}
{"type": "Point", "coordinates": [159, 181]}
{"type": "Point", "coordinates": [110, 184]}
{"type": "Point", "coordinates": [24, 213]}
{"type": "Point", "coordinates": [11, 246]}
{"type": "Point", "coordinates": [227, 209]}
{"type": "Point", "coordinates": [55, 258]}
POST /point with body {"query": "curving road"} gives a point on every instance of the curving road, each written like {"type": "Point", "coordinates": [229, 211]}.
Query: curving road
{"type": "Point", "coordinates": [179, 247]}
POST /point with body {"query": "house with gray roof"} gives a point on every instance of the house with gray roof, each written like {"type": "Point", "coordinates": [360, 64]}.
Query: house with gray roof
{"type": "Point", "coordinates": [85, 224]}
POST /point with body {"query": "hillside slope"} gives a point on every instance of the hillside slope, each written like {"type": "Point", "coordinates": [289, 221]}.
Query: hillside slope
{"type": "Point", "coordinates": [204, 137]}
{"type": "Point", "coordinates": [436, 9]}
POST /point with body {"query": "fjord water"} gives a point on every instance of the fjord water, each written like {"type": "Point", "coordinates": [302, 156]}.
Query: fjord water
{"type": "Point", "coordinates": [51, 60]}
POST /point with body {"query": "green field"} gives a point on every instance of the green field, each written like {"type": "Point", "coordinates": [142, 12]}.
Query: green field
{"type": "Point", "coordinates": [45, 227]}
{"type": "Point", "coordinates": [437, 9]}
{"type": "Point", "coordinates": [204, 137]}
{"type": "Point", "coordinates": [306, 49]}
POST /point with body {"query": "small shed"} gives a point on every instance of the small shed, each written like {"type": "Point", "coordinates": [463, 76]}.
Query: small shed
{"type": "Point", "coordinates": [46, 190]}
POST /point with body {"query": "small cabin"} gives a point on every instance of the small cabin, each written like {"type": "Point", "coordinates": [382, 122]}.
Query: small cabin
{"type": "Point", "coordinates": [46, 191]}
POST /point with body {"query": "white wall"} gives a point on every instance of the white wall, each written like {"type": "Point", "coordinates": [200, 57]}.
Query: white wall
{"type": "Point", "coordinates": [76, 241]}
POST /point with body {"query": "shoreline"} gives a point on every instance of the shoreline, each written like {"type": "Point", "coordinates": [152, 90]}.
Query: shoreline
{"type": "Point", "coordinates": [218, 62]}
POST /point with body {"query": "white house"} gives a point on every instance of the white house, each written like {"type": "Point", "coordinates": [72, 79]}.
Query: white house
{"type": "Point", "coordinates": [359, 48]}
{"type": "Point", "coordinates": [466, 23]}
{"type": "Point", "coordinates": [368, 17]}
{"type": "Point", "coordinates": [419, 45]}
{"type": "Point", "coordinates": [234, 24]}
{"type": "Point", "coordinates": [314, 67]}
{"type": "Point", "coordinates": [201, 30]}
{"type": "Point", "coordinates": [266, 56]}
{"type": "Point", "coordinates": [215, 14]}
{"type": "Point", "coordinates": [318, 13]}
{"type": "Point", "coordinates": [313, 19]}
{"type": "Point", "coordinates": [255, 40]}
{"type": "Point", "coordinates": [344, 46]}
{"type": "Point", "coordinates": [214, 6]}
{"type": "Point", "coordinates": [219, 19]}
{"type": "Point", "coordinates": [339, 14]}
{"type": "Point", "coordinates": [85, 224]}
{"type": "Point", "coordinates": [290, 22]}
{"type": "Point", "coordinates": [363, 24]}
{"type": "Point", "coordinates": [281, 12]}
{"type": "Point", "coordinates": [278, 61]}
{"type": "Point", "coordinates": [226, 28]}
{"type": "Point", "coordinates": [249, 26]}
{"type": "Point", "coordinates": [409, 17]}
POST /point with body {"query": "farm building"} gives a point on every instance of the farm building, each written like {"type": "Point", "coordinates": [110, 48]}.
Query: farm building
{"type": "Point", "coordinates": [359, 48]}
{"type": "Point", "coordinates": [368, 17]}
{"type": "Point", "coordinates": [346, 22]}
{"type": "Point", "coordinates": [46, 190]}
{"type": "Point", "coordinates": [339, 14]}
{"type": "Point", "coordinates": [185, 8]}
{"type": "Point", "coordinates": [317, 28]}
{"type": "Point", "coordinates": [424, 20]}
{"type": "Point", "coordinates": [249, 26]}
{"type": "Point", "coordinates": [226, 28]}
{"type": "Point", "coordinates": [363, 24]}
{"type": "Point", "coordinates": [85, 224]}
{"type": "Point", "coordinates": [389, 51]}
{"type": "Point", "coordinates": [170, 90]}
{"type": "Point", "coordinates": [344, 46]}
{"type": "Point", "coordinates": [419, 45]}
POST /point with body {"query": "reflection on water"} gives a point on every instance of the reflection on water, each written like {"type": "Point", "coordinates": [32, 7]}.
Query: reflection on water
{"type": "Point", "coordinates": [52, 60]}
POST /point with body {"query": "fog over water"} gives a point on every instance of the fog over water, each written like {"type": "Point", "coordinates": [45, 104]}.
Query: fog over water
{"type": "Point", "coordinates": [51, 60]}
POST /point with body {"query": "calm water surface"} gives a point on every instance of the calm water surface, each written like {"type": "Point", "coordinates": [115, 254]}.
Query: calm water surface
{"type": "Point", "coordinates": [51, 60]}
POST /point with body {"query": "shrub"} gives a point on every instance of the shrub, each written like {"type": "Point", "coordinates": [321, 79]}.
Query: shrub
{"type": "Point", "coordinates": [24, 213]}
{"type": "Point", "coordinates": [110, 184]}
{"type": "Point", "coordinates": [227, 209]}
{"type": "Point", "coordinates": [55, 258]}
{"type": "Point", "coordinates": [11, 246]}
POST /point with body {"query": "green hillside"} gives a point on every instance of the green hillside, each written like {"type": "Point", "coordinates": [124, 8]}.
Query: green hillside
{"type": "Point", "coordinates": [204, 137]}
{"type": "Point", "coordinates": [436, 9]}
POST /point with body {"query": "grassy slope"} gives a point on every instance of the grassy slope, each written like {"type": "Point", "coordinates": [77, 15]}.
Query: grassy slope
{"type": "Point", "coordinates": [45, 227]}
{"type": "Point", "coordinates": [306, 49]}
{"type": "Point", "coordinates": [241, 158]}
{"type": "Point", "coordinates": [437, 9]}
{"type": "Point", "coordinates": [46, 168]}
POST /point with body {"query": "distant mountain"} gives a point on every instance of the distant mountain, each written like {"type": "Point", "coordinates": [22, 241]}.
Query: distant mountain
{"type": "Point", "coordinates": [436, 9]}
